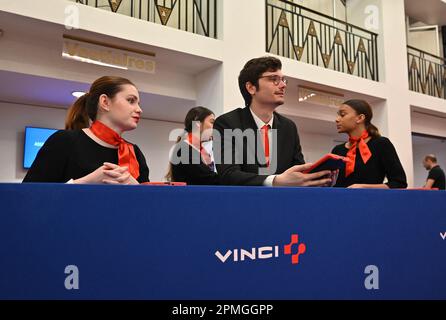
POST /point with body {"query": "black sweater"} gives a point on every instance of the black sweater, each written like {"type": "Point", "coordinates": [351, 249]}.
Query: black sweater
{"type": "Point", "coordinates": [72, 155]}
{"type": "Point", "coordinates": [383, 163]}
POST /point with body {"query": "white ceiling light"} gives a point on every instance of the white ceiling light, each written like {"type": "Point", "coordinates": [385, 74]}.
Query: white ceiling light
{"type": "Point", "coordinates": [77, 94]}
{"type": "Point", "coordinates": [320, 97]}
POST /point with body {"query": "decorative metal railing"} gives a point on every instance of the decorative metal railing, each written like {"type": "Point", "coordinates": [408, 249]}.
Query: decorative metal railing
{"type": "Point", "coordinates": [196, 16]}
{"type": "Point", "coordinates": [427, 73]}
{"type": "Point", "coordinates": [306, 35]}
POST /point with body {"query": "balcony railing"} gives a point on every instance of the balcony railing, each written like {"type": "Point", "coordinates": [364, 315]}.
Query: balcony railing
{"type": "Point", "coordinates": [306, 35]}
{"type": "Point", "coordinates": [427, 73]}
{"type": "Point", "coordinates": [196, 16]}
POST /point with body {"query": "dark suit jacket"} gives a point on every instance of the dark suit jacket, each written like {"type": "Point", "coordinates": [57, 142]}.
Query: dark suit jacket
{"type": "Point", "coordinates": [289, 151]}
{"type": "Point", "coordinates": [193, 171]}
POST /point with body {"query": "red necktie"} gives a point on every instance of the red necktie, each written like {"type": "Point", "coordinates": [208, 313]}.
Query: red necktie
{"type": "Point", "coordinates": [126, 151]}
{"type": "Point", "coordinates": [351, 155]}
{"type": "Point", "coordinates": [265, 140]}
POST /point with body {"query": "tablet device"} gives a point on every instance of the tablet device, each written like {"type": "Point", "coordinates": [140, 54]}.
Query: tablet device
{"type": "Point", "coordinates": [329, 162]}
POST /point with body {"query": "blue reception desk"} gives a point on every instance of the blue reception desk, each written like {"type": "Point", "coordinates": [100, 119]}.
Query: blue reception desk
{"type": "Point", "coordinates": [145, 242]}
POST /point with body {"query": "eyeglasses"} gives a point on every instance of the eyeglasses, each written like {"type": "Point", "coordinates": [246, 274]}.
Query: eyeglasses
{"type": "Point", "coordinates": [276, 79]}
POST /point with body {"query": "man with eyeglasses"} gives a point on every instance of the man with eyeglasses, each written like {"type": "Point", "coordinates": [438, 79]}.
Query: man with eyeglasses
{"type": "Point", "coordinates": [257, 145]}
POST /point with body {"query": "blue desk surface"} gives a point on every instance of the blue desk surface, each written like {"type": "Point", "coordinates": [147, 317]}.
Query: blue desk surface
{"type": "Point", "coordinates": [148, 242]}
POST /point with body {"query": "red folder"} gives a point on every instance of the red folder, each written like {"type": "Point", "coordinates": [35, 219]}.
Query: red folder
{"type": "Point", "coordinates": [330, 162]}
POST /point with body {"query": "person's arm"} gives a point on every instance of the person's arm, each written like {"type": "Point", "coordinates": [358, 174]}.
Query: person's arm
{"type": "Point", "coordinates": [51, 160]}
{"type": "Point", "coordinates": [369, 186]}
{"type": "Point", "coordinates": [201, 175]}
{"type": "Point", "coordinates": [433, 176]}
{"type": "Point", "coordinates": [193, 171]}
{"type": "Point", "coordinates": [143, 168]}
{"type": "Point", "coordinates": [197, 174]}
{"type": "Point", "coordinates": [394, 171]}
{"type": "Point", "coordinates": [429, 183]}
{"type": "Point", "coordinates": [298, 157]}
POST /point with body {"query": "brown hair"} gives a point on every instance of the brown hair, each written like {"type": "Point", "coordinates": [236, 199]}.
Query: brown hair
{"type": "Point", "coordinates": [252, 71]}
{"type": "Point", "coordinates": [85, 108]}
{"type": "Point", "coordinates": [363, 107]}
{"type": "Point", "coordinates": [431, 157]}
{"type": "Point", "coordinates": [194, 114]}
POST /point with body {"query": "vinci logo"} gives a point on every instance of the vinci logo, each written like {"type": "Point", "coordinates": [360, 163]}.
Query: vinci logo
{"type": "Point", "coordinates": [269, 252]}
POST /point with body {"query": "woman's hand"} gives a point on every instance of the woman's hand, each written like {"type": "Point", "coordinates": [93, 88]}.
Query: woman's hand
{"type": "Point", "coordinates": [118, 175]}
{"type": "Point", "coordinates": [108, 173]}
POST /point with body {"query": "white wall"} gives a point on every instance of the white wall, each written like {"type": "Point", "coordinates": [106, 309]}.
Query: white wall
{"type": "Point", "coordinates": [315, 146]}
{"type": "Point", "coordinates": [426, 40]}
{"type": "Point", "coordinates": [429, 125]}
{"type": "Point", "coordinates": [436, 147]}
{"type": "Point", "coordinates": [332, 8]}
{"type": "Point", "coordinates": [13, 119]}
{"type": "Point", "coordinates": [429, 40]}
{"type": "Point", "coordinates": [151, 136]}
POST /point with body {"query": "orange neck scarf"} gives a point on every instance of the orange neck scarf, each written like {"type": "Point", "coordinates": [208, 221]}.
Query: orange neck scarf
{"type": "Point", "coordinates": [351, 155]}
{"type": "Point", "coordinates": [126, 151]}
{"type": "Point", "coordinates": [205, 156]}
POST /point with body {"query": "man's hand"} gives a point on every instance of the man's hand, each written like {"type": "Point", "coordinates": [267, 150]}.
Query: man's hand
{"type": "Point", "coordinates": [294, 177]}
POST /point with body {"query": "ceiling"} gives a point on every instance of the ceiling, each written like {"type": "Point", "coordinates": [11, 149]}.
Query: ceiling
{"type": "Point", "coordinates": [425, 140]}
{"type": "Point", "coordinates": [432, 12]}
{"type": "Point", "coordinates": [51, 35]}
{"type": "Point", "coordinates": [54, 89]}
{"type": "Point", "coordinates": [42, 91]}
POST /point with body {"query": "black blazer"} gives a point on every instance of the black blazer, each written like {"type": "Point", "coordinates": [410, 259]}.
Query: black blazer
{"type": "Point", "coordinates": [193, 171]}
{"type": "Point", "coordinates": [289, 151]}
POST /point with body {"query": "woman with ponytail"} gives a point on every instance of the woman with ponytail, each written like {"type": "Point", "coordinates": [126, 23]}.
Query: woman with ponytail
{"type": "Point", "coordinates": [91, 149]}
{"type": "Point", "coordinates": [190, 160]}
{"type": "Point", "coordinates": [372, 158]}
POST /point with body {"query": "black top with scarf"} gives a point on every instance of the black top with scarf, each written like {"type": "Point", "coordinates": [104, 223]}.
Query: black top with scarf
{"type": "Point", "coordinates": [71, 154]}
{"type": "Point", "coordinates": [192, 170]}
{"type": "Point", "coordinates": [383, 163]}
